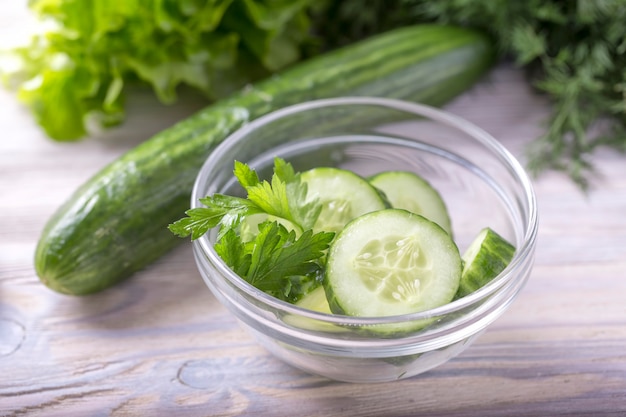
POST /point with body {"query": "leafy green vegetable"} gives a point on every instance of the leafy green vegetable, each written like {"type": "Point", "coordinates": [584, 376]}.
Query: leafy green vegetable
{"type": "Point", "coordinates": [78, 71]}
{"type": "Point", "coordinates": [276, 260]}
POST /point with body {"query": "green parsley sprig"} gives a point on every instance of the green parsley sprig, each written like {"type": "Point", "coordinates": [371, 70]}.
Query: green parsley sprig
{"type": "Point", "coordinates": [285, 263]}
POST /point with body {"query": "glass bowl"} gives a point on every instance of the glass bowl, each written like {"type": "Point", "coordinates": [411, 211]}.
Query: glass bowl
{"type": "Point", "coordinates": [480, 181]}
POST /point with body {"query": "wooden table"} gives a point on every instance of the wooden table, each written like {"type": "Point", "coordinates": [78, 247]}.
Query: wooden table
{"type": "Point", "coordinates": [160, 344]}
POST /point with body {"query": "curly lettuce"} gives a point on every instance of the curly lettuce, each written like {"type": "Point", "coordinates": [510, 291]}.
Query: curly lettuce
{"type": "Point", "coordinates": [77, 72]}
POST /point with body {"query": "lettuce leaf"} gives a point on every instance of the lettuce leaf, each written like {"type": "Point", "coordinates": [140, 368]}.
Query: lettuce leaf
{"type": "Point", "coordinates": [78, 71]}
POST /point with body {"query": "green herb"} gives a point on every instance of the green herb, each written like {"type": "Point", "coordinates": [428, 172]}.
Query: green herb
{"type": "Point", "coordinates": [574, 51]}
{"type": "Point", "coordinates": [285, 197]}
{"type": "Point", "coordinates": [276, 260]}
{"type": "Point", "coordinates": [79, 70]}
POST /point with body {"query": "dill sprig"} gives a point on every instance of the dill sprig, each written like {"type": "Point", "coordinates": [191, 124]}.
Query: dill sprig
{"type": "Point", "coordinates": [574, 50]}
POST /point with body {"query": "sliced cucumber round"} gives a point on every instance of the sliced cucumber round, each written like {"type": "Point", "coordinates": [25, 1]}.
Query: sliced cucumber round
{"type": "Point", "coordinates": [487, 256]}
{"type": "Point", "coordinates": [343, 194]}
{"type": "Point", "coordinates": [391, 262]}
{"type": "Point", "coordinates": [407, 190]}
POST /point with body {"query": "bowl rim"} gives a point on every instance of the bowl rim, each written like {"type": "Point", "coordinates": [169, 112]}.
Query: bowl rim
{"type": "Point", "coordinates": [522, 253]}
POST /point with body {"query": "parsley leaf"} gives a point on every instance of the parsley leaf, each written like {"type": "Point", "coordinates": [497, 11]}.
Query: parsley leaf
{"type": "Point", "coordinates": [284, 197]}
{"type": "Point", "coordinates": [278, 253]}
{"type": "Point", "coordinates": [234, 253]}
{"type": "Point", "coordinates": [246, 176]}
{"type": "Point", "coordinates": [271, 198]}
{"type": "Point", "coordinates": [220, 209]}
{"type": "Point", "coordinates": [285, 263]}
{"type": "Point", "coordinates": [276, 259]}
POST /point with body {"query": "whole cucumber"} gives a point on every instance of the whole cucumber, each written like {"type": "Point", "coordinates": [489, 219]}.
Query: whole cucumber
{"type": "Point", "coordinates": [116, 223]}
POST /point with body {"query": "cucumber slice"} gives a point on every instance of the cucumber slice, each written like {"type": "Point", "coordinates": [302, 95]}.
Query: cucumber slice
{"type": "Point", "coordinates": [316, 301]}
{"type": "Point", "coordinates": [407, 190]}
{"type": "Point", "coordinates": [343, 194]}
{"type": "Point", "coordinates": [391, 262]}
{"type": "Point", "coordinates": [487, 256]}
{"type": "Point", "coordinates": [249, 227]}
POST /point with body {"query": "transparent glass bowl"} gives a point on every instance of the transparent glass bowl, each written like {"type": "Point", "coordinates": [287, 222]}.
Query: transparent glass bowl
{"type": "Point", "coordinates": [481, 183]}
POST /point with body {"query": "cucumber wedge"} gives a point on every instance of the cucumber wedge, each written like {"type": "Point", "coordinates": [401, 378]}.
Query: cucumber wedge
{"type": "Point", "coordinates": [407, 190]}
{"type": "Point", "coordinates": [343, 194]}
{"type": "Point", "coordinates": [316, 301]}
{"type": "Point", "coordinates": [487, 256]}
{"type": "Point", "coordinates": [391, 262]}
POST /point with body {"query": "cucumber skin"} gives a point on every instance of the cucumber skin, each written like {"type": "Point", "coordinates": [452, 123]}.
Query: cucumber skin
{"type": "Point", "coordinates": [497, 254]}
{"type": "Point", "coordinates": [116, 223]}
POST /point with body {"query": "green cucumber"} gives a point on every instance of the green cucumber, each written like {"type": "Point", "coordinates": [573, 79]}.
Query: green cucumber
{"type": "Point", "coordinates": [487, 256]}
{"type": "Point", "coordinates": [409, 191]}
{"type": "Point", "coordinates": [391, 262]}
{"type": "Point", "coordinates": [116, 223]}
{"type": "Point", "coordinates": [343, 195]}
{"type": "Point", "coordinates": [315, 301]}
{"type": "Point", "coordinates": [249, 227]}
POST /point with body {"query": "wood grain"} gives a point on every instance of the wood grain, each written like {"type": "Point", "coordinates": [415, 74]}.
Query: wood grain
{"type": "Point", "coordinates": [160, 344]}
